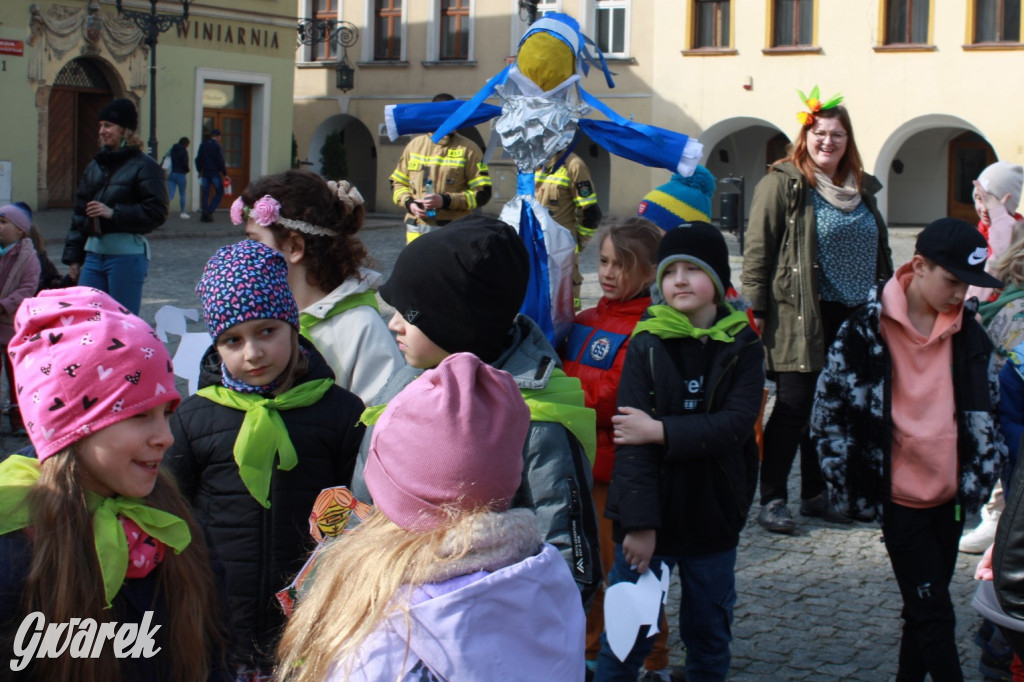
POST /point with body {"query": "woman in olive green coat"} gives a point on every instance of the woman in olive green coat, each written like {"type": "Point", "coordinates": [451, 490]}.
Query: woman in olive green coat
{"type": "Point", "coordinates": [814, 246]}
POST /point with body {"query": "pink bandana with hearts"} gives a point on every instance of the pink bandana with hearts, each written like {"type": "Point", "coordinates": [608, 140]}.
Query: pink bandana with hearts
{"type": "Point", "coordinates": [83, 362]}
{"type": "Point", "coordinates": [144, 551]}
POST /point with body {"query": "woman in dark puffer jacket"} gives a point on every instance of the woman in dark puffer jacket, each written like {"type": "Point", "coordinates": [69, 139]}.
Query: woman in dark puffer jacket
{"type": "Point", "coordinates": [121, 198]}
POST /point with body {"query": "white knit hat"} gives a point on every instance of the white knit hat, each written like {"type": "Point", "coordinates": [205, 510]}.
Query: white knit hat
{"type": "Point", "coordinates": [1002, 178]}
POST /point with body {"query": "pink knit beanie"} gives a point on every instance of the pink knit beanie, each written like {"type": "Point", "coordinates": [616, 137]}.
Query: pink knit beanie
{"type": "Point", "coordinates": [83, 362]}
{"type": "Point", "coordinates": [453, 439]}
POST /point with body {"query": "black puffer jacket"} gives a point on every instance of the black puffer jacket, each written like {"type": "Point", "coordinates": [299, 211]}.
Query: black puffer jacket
{"type": "Point", "coordinates": [261, 549]}
{"type": "Point", "coordinates": [696, 489]}
{"type": "Point", "coordinates": [127, 181]}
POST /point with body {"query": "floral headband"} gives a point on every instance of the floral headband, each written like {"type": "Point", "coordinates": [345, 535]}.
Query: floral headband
{"type": "Point", "coordinates": [267, 210]}
{"type": "Point", "coordinates": [815, 105]}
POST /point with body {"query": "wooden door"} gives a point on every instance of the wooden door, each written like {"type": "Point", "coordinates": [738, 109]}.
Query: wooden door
{"type": "Point", "coordinates": [61, 171]}
{"type": "Point", "coordinates": [969, 154]}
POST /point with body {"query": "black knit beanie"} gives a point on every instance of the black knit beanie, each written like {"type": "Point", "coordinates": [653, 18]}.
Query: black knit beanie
{"type": "Point", "coordinates": [462, 284]}
{"type": "Point", "coordinates": [121, 112]}
{"type": "Point", "coordinates": [701, 244]}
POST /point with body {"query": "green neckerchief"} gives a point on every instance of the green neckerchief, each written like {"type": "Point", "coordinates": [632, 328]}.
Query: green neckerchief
{"type": "Point", "coordinates": [263, 433]}
{"type": "Point", "coordinates": [17, 476]}
{"type": "Point", "coordinates": [308, 321]}
{"type": "Point", "coordinates": [561, 401]}
{"type": "Point", "coordinates": [989, 310]}
{"type": "Point", "coordinates": [666, 322]}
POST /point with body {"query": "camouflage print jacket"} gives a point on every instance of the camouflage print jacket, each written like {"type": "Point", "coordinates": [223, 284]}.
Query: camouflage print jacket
{"type": "Point", "coordinates": [851, 423]}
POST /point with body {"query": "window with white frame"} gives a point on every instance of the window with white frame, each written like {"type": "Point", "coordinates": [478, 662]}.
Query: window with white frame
{"type": "Point", "coordinates": [611, 26]}
{"type": "Point", "coordinates": [325, 50]}
{"type": "Point", "coordinates": [387, 30]}
{"type": "Point", "coordinates": [455, 17]}
{"type": "Point", "coordinates": [519, 25]}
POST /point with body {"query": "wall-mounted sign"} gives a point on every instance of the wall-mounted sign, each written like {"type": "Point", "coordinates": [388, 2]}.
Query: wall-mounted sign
{"type": "Point", "coordinates": [15, 47]}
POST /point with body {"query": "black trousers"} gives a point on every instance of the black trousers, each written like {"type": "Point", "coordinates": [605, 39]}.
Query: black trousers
{"type": "Point", "coordinates": [922, 546]}
{"type": "Point", "coordinates": [787, 427]}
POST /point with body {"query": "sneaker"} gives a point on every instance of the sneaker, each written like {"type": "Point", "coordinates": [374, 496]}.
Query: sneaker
{"type": "Point", "coordinates": [663, 675]}
{"type": "Point", "coordinates": [819, 506]}
{"type": "Point", "coordinates": [775, 517]}
{"type": "Point", "coordinates": [185, 216]}
{"type": "Point", "coordinates": [206, 218]}
{"type": "Point", "coordinates": [983, 535]}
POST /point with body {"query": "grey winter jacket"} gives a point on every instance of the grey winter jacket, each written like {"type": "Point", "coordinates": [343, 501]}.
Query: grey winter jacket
{"type": "Point", "coordinates": [557, 480]}
{"type": "Point", "coordinates": [780, 266]}
{"type": "Point", "coordinates": [851, 422]}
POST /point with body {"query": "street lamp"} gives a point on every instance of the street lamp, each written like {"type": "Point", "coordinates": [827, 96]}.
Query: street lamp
{"type": "Point", "coordinates": [316, 31]}
{"type": "Point", "coordinates": [152, 25]}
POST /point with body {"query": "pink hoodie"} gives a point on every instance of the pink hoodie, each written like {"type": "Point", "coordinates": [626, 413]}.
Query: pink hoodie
{"type": "Point", "coordinates": [924, 427]}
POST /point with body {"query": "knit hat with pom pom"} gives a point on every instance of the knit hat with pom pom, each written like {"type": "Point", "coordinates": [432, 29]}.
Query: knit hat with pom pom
{"type": "Point", "coordinates": [680, 200]}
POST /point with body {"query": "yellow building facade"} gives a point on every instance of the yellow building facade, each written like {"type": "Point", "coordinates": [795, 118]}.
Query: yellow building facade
{"type": "Point", "coordinates": [230, 67]}
{"type": "Point", "coordinates": [928, 84]}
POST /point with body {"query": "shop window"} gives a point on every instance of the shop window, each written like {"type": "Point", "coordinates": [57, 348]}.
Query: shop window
{"type": "Point", "coordinates": [906, 22]}
{"type": "Point", "coordinates": [387, 30]}
{"type": "Point", "coordinates": [612, 22]}
{"type": "Point", "coordinates": [792, 23]}
{"type": "Point", "coordinates": [711, 24]}
{"type": "Point", "coordinates": [455, 20]}
{"type": "Point", "coordinates": [996, 21]}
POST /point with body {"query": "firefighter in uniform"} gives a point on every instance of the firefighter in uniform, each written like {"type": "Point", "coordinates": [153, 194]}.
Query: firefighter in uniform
{"type": "Point", "coordinates": [438, 183]}
{"type": "Point", "coordinates": [568, 194]}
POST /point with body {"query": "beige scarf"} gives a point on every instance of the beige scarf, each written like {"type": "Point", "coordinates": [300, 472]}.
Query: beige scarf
{"type": "Point", "coordinates": [844, 197]}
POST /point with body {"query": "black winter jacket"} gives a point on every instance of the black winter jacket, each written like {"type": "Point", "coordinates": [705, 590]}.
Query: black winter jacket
{"type": "Point", "coordinates": [696, 489]}
{"type": "Point", "coordinates": [261, 549]}
{"type": "Point", "coordinates": [179, 159]}
{"type": "Point", "coordinates": [126, 180]}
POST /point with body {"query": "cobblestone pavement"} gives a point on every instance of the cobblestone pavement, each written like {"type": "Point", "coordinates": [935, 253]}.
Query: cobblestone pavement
{"type": "Point", "coordinates": [818, 605]}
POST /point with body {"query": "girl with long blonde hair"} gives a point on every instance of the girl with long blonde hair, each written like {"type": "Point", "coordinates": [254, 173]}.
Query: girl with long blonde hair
{"type": "Point", "coordinates": [444, 581]}
{"type": "Point", "coordinates": [91, 530]}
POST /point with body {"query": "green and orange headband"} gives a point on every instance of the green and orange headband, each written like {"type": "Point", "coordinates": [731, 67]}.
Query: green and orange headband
{"type": "Point", "coordinates": [814, 105]}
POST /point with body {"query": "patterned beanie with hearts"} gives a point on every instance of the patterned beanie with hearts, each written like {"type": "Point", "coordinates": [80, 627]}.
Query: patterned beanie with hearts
{"type": "Point", "coordinates": [83, 362]}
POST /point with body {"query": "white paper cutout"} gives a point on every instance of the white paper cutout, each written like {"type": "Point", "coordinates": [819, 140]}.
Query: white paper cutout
{"type": "Point", "coordinates": [191, 345]}
{"type": "Point", "coordinates": [628, 606]}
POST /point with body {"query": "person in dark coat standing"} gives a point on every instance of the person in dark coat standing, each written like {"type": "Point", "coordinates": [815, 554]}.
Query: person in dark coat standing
{"type": "Point", "coordinates": [212, 171]}
{"type": "Point", "coordinates": [121, 198]}
{"type": "Point", "coordinates": [179, 169]}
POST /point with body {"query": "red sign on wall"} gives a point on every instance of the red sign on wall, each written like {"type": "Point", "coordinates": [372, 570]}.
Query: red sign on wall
{"type": "Point", "coordinates": [15, 47]}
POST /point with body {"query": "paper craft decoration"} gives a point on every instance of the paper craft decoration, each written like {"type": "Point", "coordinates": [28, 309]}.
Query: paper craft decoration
{"type": "Point", "coordinates": [191, 345]}
{"type": "Point", "coordinates": [335, 511]}
{"type": "Point", "coordinates": [628, 606]}
{"type": "Point", "coordinates": [541, 112]}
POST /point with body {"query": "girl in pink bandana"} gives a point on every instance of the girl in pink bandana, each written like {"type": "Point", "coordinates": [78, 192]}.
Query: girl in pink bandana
{"type": "Point", "coordinates": [91, 530]}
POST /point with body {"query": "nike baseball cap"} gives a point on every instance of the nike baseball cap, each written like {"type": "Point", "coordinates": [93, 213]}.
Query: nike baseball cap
{"type": "Point", "coordinates": [959, 248]}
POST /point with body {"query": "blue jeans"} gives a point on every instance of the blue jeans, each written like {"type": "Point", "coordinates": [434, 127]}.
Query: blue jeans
{"type": "Point", "coordinates": [120, 276]}
{"type": "Point", "coordinates": [176, 180]}
{"type": "Point", "coordinates": [205, 183]}
{"type": "Point", "coordinates": [705, 617]}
